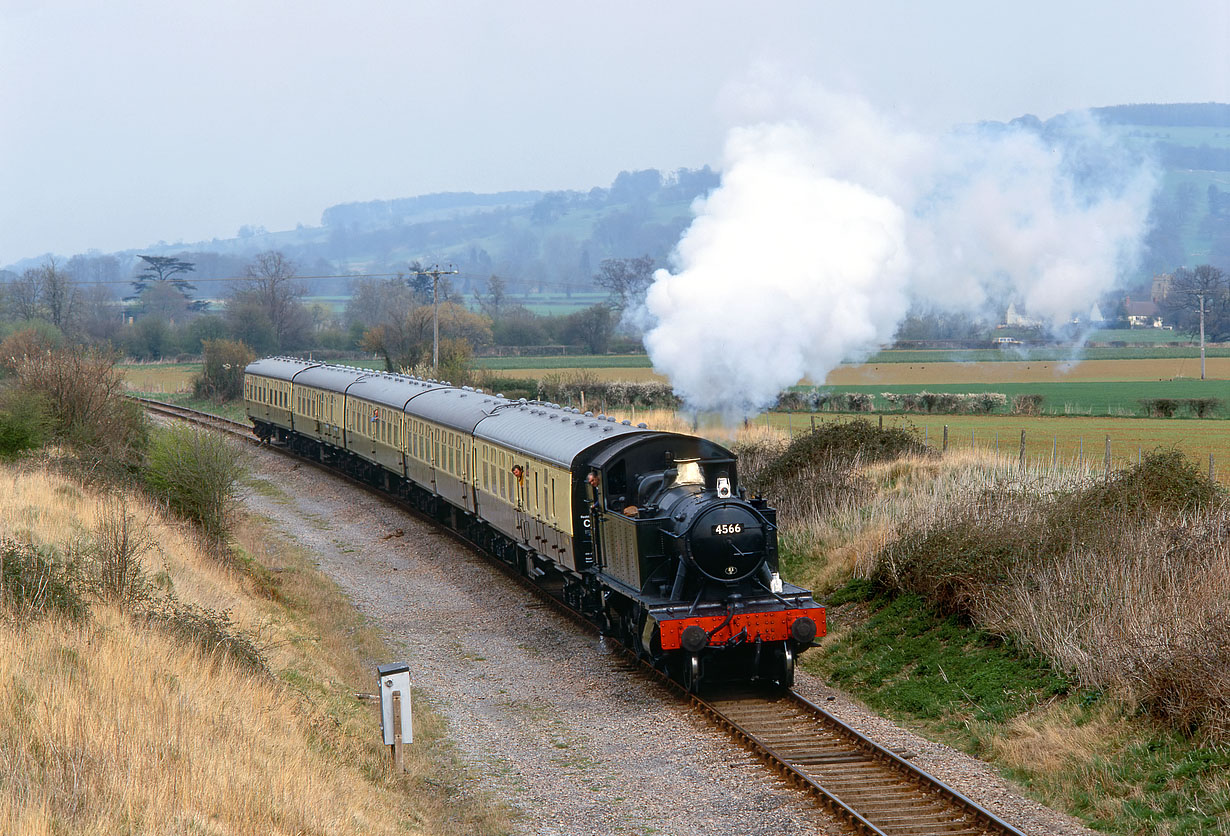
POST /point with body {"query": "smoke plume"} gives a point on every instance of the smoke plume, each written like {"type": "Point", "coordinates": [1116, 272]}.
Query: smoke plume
{"type": "Point", "coordinates": [832, 222]}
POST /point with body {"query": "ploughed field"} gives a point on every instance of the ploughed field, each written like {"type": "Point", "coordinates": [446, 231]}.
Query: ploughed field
{"type": "Point", "coordinates": [923, 372]}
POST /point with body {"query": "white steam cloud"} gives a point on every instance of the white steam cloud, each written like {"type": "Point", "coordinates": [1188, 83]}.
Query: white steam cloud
{"type": "Point", "coordinates": [829, 225]}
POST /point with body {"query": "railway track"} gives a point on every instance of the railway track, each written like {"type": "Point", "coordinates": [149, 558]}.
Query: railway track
{"type": "Point", "coordinates": [868, 786]}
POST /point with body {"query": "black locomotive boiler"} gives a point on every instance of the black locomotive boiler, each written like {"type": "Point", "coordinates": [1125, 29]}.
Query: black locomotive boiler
{"type": "Point", "coordinates": [647, 533]}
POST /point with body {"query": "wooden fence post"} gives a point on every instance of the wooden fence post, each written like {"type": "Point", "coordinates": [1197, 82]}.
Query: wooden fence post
{"type": "Point", "coordinates": [1021, 454]}
{"type": "Point", "coordinates": [881, 422]}
{"type": "Point", "coordinates": [398, 762]}
{"type": "Point", "coordinates": [1054, 449]}
{"type": "Point", "coordinates": [1107, 463]}
{"type": "Point", "coordinates": [945, 438]}
{"type": "Point", "coordinates": [1212, 472]}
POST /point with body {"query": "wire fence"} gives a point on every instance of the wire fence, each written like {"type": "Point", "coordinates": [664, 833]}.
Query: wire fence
{"type": "Point", "coordinates": [1034, 449]}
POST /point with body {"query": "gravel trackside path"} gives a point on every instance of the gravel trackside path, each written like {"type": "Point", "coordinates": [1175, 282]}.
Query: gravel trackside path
{"type": "Point", "coordinates": [541, 712]}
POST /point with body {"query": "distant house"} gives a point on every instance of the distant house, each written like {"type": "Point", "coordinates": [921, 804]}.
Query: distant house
{"type": "Point", "coordinates": [1142, 314]}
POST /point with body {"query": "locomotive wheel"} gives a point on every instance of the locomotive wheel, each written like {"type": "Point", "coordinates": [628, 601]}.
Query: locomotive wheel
{"type": "Point", "coordinates": [784, 658]}
{"type": "Point", "coordinates": [690, 673]}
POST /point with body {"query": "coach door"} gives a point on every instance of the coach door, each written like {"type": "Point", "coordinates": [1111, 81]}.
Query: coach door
{"type": "Point", "coordinates": [472, 478]}
{"type": "Point", "coordinates": [519, 484]}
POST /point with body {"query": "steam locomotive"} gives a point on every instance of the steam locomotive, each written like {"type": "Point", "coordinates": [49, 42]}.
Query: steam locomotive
{"type": "Point", "coordinates": [646, 533]}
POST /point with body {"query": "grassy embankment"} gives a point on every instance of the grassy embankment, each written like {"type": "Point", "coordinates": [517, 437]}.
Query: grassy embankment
{"type": "Point", "coordinates": [216, 696]}
{"type": "Point", "coordinates": [1069, 628]}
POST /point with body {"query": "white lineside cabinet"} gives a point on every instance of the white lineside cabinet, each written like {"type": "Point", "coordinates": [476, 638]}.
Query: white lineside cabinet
{"type": "Point", "coordinates": [395, 678]}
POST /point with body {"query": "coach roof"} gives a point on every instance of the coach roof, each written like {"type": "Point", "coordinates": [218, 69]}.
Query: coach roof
{"type": "Point", "coordinates": [449, 406]}
{"type": "Point", "coordinates": [329, 378]}
{"type": "Point", "coordinates": [390, 389]}
{"type": "Point", "coordinates": [278, 368]}
{"type": "Point", "coordinates": [547, 432]}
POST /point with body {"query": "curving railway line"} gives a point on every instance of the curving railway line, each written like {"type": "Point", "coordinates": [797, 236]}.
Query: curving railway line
{"type": "Point", "coordinates": [866, 785]}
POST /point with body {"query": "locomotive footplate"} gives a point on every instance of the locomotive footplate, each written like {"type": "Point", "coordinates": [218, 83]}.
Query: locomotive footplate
{"type": "Point", "coordinates": [771, 620]}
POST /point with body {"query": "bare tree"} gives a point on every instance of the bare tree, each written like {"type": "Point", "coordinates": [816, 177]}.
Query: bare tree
{"type": "Point", "coordinates": [60, 295]}
{"type": "Point", "coordinates": [25, 295]}
{"type": "Point", "coordinates": [45, 292]}
{"type": "Point", "coordinates": [626, 279]}
{"type": "Point", "coordinates": [1189, 290]}
{"type": "Point", "coordinates": [271, 282]}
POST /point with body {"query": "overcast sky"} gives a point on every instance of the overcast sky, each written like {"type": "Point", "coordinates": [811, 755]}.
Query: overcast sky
{"type": "Point", "coordinates": [126, 123]}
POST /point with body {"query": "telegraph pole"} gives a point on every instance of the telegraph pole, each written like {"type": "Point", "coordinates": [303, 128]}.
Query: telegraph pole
{"type": "Point", "coordinates": [435, 272]}
{"type": "Point", "coordinates": [1201, 336]}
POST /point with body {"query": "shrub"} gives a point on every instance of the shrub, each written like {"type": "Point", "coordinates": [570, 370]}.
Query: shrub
{"type": "Point", "coordinates": [845, 442]}
{"type": "Point", "coordinates": [948, 402]}
{"type": "Point", "coordinates": [121, 542]}
{"type": "Point", "coordinates": [196, 473]}
{"type": "Point", "coordinates": [221, 376]}
{"type": "Point", "coordinates": [987, 401]}
{"type": "Point", "coordinates": [34, 580]}
{"type": "Point", "coordinates": [210, 631]}
{"type": "Point", "coordinates": [1027, 405]}
{"type": "Point", "coordinates": [858, 401]}
{"type": "Point", "coordinates": [1160, 407]}
{"type": "Point", "coordinates": [25, 423]}
{"type": "Point", "coordinates": [1204, 407]}
{"type": "Point", "coordinates": [85, 395]}
{"type": "Point", "coordinates": [28, 342]}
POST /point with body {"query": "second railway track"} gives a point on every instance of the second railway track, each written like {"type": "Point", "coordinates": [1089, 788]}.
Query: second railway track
{"type": "Point", "coordinates": [866, 785]}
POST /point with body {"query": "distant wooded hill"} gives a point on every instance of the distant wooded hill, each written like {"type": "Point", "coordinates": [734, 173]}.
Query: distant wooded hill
{"type": "Point", "coordinates": [552, 242]}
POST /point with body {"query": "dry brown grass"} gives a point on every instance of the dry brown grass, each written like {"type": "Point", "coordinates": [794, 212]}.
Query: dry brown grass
{"type": "Point", "coordinates": [107, 726]}
{"type": "Point", "coordinates": [1058, 736]}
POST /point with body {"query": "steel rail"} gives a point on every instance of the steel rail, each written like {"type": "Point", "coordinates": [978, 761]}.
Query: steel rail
{"type": "Point", "coordinates": [757, 719]}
